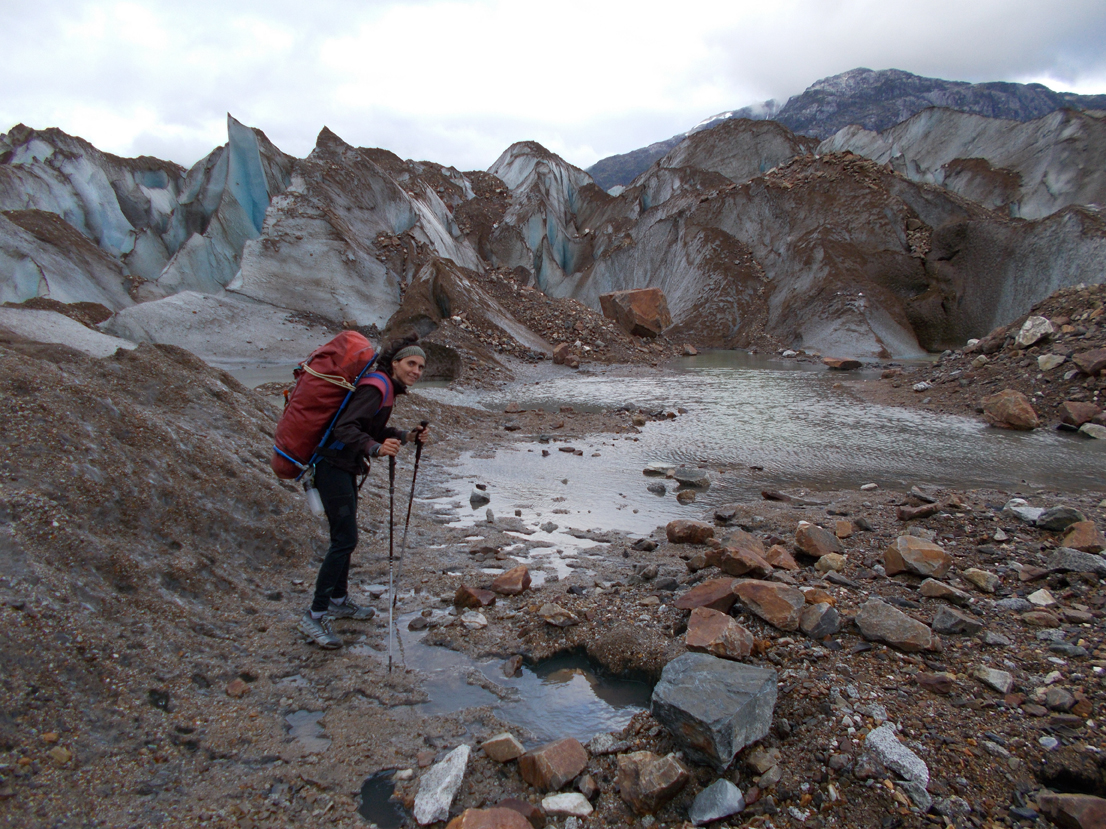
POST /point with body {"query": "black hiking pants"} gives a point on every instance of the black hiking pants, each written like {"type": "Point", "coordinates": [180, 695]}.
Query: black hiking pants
{"type": "Point", "coordinates": [338, 491]}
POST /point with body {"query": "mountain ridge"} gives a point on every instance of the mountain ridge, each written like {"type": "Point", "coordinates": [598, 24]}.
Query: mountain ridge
{"type": "Point", "coordinates": [873, 99]}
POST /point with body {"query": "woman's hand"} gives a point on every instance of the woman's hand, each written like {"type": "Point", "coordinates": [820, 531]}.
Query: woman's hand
{"type": "Point", "coordinates": [420, 434]}
{"type": "Point", "coordinates": [389, 448]}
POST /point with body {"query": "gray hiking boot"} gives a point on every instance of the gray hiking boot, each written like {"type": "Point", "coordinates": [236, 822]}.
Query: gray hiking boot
{"type": "Point", "coordinates": [350, 610]}
{"type": "Point", "coordinates": [319, 631]}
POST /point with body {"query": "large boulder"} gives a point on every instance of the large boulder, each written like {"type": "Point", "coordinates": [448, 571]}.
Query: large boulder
{"type": "Point", "coordinates": [815, 541]}
{"type": "Point", "coordinates": [717, 801]}
{"type": "Point", "coordinates": [647, 782]}
{"type": "Point", "coordinates": [686, 531]}
{"type": "Point", "coordinates": [495, 818]}
{"type": "Point", "coordinates": [1085, 537]}
{"type": "Point", "coordinates": [880, 622]}
{"type": "Point", "coordinates": [739, 562]}
{"type": "Point", "coordinates": [714, 707]}
{"type": "Point", "coordinates": [439, 786]}
{"type": "Point", "coordinates": [716, 594]}
{"type": "Point", "coordinates": [1009, 409]}
{"type": "Point", "coordinates": [1073, 811]}
{"type": "Point", "coordinates": [550, 766]}
{"type": "Point", "coordinates": [910, 554]}
{"type": "Point", "coordinates": [777, 604]}
{"type": "Point", "coordinates": [642, 312]}
{"type": "Point", "coordinates": [714, 632]}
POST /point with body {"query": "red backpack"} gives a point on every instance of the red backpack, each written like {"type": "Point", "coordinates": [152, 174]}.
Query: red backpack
{"type": "Point", "coordinates": [324, 383]}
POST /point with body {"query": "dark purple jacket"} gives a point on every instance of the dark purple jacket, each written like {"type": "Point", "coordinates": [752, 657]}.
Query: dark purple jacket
{"type": "Point", "coordinates": [363, 425]}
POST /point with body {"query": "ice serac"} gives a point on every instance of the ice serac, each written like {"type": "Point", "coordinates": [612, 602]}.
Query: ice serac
{"type": "Point", "coordinates": [1028, 170]}
{"type": "Point", "coordinates": [984, 272]}
{"type": "Point", "coordinates": [352, 229]}
{"type": "Point", "coordinates": [222, 206]}
{"type": "Point", "coordinates": [541, 230]}
{"type": "Point", "coordinates": [42, 255]}
{"type": "Point", "coordinates": [123, 205]}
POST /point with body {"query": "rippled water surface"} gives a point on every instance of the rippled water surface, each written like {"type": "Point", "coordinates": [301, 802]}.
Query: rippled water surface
{"type": "Point", "coordinates": [746, 412]}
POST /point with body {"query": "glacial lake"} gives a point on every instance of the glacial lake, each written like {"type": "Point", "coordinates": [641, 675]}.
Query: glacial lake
{"type": "Point", "coordinates": [759, 423]}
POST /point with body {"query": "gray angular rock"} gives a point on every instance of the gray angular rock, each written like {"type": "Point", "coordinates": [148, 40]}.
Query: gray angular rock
{"type": "Point", "coordinates": [689, 476]}
{"type": "Point", "coordinates": [1065, 559]}
{"type": "Point", "coordinates": [950, 620]}
{"type": "Point", "coordinates": [1058, 519]}
{"type": "Point", "coordinates": [881, 622]}
{"type": "Point", "coordinates": [1020, 507]}
{"type": "Point", "coordinates": [717, 801]}
{"type": "Point", "coordinates": [1000, 681]}
{"type": "Point", "coordinates": [439, 785]}
{"type": "Point", "coordinates": [819, 620]}
{"type": "Point", "coordinates": [1015, 604]}
{"type": "Point", "coordinates": [883, 743]}
{"type": "Point", "coordinates": [1033, 330]}
{"type": "Point", "coordinates": [714, 707]}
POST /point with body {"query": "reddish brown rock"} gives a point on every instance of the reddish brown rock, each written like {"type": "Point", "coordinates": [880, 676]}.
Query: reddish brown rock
{"type": "Point", "coordinates": [1091, 362]}
{"type": "Point", "coordinates": [503, 748]}
{"type": "Point", "coordinates": [647, 781]}
{"type": "Point", "coordinates": [513, 581]}
{"type": "Point", "coordinates": [716, 594]}
{"type": "Point", "coordinates": [685, 531]}
{"type": "Point", "coordinates": [711, 631]}
{"type": "Point", "coordinates": [779, 556]}
{"type": "Point", "coordinates": [913, 513]}
{"type": "Point", "coordinates": [237, 687]}
{"type": "Point", "coordinates": [937, 683]}
{"type": "Point", "coordinates": [1010, 409]}
{"type": "Point", "coordinates": [880, 622]}
{"type": "Point", "coordinates": [843, 529]}
{"type": "Point", "coordinates": [473, 597]}
{"type": "Point", "coordinates": [550, 766]}
{"type": "Point", "coordinates": [1073, 811]}
{"type": "Point", "coordinates": [1085, 537]}
{"type": "Point", "coordinates": [909, 554]}
{"type": "Point", "coordinates": [933, 589]}
{"type": "Point", "coordinates": [816, 595]}
{"type": "Point", "coordinates": [741, 540]}
{"type": "Point", "coordinates": [1041, 619]}
{"type": "Point", "coordinates": [736, 562]}
{"type": "Point", "coordinates": [1075, 413]}
{"type": "Point", "coordinates": [814, 541]}
{"type": "Point", "coordinates": [533, 814]}
{"type": "Point", "coordinates": [777, 604]}
{"type": "Point", "coordinates": [642, 312]}
{"type": "Point", "coordinates": [563, 356]}
{"type": "Point", "coordinates": [841, 363]}
{"type": "Point", "coordinates": [496, 818]}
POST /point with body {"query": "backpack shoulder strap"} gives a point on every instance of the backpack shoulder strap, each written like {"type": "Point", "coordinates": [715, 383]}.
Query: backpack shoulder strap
{"type": "Point", "coordinates": [383, 382]}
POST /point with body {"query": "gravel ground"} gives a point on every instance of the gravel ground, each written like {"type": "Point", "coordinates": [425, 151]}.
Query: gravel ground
{"type": "Point", "coordinates": [152, 570]}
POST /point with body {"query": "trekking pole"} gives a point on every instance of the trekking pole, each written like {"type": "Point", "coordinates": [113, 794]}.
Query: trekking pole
{"type": "Point", "coordinates": [391, 544]}
{"type": "Point", "coordinates": [407, 526]}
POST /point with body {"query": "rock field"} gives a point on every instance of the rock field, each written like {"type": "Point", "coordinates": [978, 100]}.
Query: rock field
{"type": "Point", "coordinates": [938, 656]}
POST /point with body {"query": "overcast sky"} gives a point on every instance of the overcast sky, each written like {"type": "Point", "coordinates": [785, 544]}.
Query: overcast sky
{"type": "Point", "coordinates": [457, 81]}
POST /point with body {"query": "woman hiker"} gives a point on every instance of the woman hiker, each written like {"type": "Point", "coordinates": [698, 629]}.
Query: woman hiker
{"type": "Point", "coordinates": [362, 432]}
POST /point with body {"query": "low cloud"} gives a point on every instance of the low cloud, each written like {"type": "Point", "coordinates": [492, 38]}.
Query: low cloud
{"type": "Point", "coordinates": [457, 82]}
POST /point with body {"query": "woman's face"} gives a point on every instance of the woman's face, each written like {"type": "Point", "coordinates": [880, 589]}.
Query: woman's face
{"type": "Point", "coordinates": [409, 369]}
